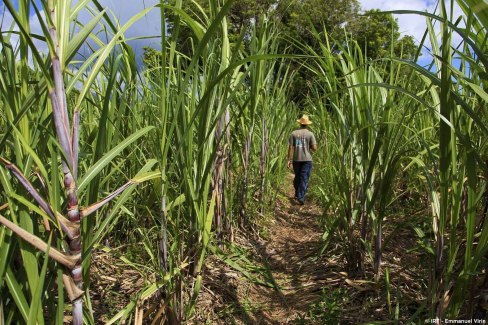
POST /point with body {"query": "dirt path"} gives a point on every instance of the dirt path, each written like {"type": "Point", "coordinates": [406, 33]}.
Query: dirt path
{"type": "Point", "coordinates": [288, 254]}
{"type": "Point", "coordinates": [291, 255]}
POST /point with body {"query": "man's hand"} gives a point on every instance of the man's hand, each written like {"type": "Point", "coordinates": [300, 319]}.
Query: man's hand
{"type": "Point", "coordinates": [291, 149]}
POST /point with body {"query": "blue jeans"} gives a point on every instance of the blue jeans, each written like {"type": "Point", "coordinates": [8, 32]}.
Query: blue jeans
{"type": "Point", "coordinates": [302, 171]}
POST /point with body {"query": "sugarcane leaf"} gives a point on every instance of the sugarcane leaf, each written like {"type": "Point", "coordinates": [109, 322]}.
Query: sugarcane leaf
{"type": "Point", "coordinates": [31, 152]}
{"type": "Point", "coordinates": [28, 186]}
{"type": "Point", "coordinates": [123, 314]}
{"type": "Point", "coordinates": [229, 261]}
{"type": "Point", "coordinates": [146, 177]}
{"type": "Point", "coordinates": [44, 27]}
{"type": "Point", "coordinates": [60, 304]}
{"type": "Point", "coordinates": [67, 260]}
{"type": "Point", "coordinates": [35, 313]}
{"type": "Point", "coordinates": [478, 90]}
{"type": "Point", "coordinates": [17, 294]}
{"type": "Point", "coordinates": [95, 206]}
{"type": "Point", "coordinates": [5, 246]}
{"type": "Point", "coordinates": [207, 230]}
{"type": "Point", "coordinates": [22, 200]}
{"type": "Point", "coordinates": [107, 223]}
{"type": "Point", "coordinates": [176, 202]}
{"type": "Point", "coordinates": [79, 39]}
{"type": "Point", "coordinates": [30, 101]}
{"type": "Point", "coordinates": [36, 54]}
{"type": "Point", "coordinates": [481, 55]}
{"type": "Point", "coordinates": [479, 8]}
{"type": "Point", "coordinates": [109, 156]}
{"type": "Point", "coordinates": [195, 26]}
{"type": "Point", "coordinates": [146, 293]}
{"type": "Point", "coordinates": [104, 53]}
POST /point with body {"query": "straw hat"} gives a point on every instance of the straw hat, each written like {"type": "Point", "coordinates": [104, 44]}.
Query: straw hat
{"type": "Point", "coordinates": [304, 120]}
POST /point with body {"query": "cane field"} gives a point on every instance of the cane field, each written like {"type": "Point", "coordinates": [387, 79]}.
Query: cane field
{"type": "Point", "coordinates": [152, 187]}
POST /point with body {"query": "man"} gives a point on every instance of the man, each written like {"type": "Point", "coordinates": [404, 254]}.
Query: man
{"type": "Point", "coordinates": [300, 143]}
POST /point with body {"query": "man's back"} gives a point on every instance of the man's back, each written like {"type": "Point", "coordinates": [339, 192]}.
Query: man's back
{"type": "Point", "coordinates": [302, 139]}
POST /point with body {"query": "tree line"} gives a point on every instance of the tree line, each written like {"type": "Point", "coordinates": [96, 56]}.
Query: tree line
{"type": "Point", "coordinates": [299, 22]}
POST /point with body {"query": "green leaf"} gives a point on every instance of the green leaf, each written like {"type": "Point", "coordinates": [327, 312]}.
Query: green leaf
{"type": "Point", "coordinates": [108, 221]}
{"type": "Point", "coordinates": [109, 156]}
{"type": "Point", "coordinates": [78, 40]}
{"type": "Point", "coordinates": [36, 312]}
{"type": "Point", "coordinates": [17, 294]}
{"type": "Point", "coordinates": [146, 177]}
{"type": "Point", "coordinates": [5, 245]}
{"type": "Point", "coordinates": [60, 304]}
{"type": "Point", "coordinates": [104, 53]}
{"type": "Point", "coordinates": [176, 202]}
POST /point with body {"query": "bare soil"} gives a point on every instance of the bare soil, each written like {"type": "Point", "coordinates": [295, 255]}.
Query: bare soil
{"type": "Point", "coordinates": [289, 254]}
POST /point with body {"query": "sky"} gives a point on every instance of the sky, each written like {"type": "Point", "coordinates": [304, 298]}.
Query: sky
{"type": "Point", "coordinates": [148, 25]}
{"type": "Point", "coordinates": [123, 10]}
{"type": "Point", "coordinates": [409, 24]}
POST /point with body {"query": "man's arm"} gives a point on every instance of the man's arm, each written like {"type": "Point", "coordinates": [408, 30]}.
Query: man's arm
{"type": "Point", "coordinates": [313, 146]}
{"type": "Point", "coordinates": [291, 149]}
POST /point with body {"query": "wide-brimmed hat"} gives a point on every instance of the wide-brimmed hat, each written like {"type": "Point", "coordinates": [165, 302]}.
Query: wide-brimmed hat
{"type": "Point", "coordinates": [304, 120]}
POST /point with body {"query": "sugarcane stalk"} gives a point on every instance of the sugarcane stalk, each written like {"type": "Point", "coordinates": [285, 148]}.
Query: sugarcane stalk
{"type": "Point", "coordinates": [163, 244]}
{"type": "Point", "coordinates": [377, 250]}
{"type": "Point", "coordinates": [75, 135]}
{"type": "Point", "coordinates": [68, 143]}
{"type": "Point", "coordinates": [364, 216]}
{"type": "Point", "coordinates": [247, 151]}
{"type": "Point", "coordinates": [227, 157]}
{"type": "Point", "coordinates": [217, 182]}
{"type": "Point", "coordinates": [263, 158]}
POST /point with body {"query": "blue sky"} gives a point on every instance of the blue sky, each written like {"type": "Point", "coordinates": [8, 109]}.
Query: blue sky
{"type": "Point", "coordinates": [16, 3]}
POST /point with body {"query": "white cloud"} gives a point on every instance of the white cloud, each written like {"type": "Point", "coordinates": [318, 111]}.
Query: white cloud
{"type": "Point", "coordinates": [412, 24]}
{"type": "Point", "coordinates": [409, 24]}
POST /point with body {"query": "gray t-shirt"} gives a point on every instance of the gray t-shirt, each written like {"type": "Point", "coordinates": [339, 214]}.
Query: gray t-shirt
{"type": "Point", "coordinates": [302, 140]}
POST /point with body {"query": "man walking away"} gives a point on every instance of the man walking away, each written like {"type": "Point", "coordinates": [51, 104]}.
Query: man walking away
{"type": "Point", "coordinates": [300, 143]}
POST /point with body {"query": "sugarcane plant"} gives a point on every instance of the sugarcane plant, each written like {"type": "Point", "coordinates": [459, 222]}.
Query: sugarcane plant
{"type": "Point", "coordinates": [436, 137]}
{"type": "Point", "coordinates": [34, 173]}
{"type": "Point", "coordinates": [458, 189]}
{"type": "Point", "coordinates": [263, 111]}
{"type": "Point", "coordinates": [353, 105]}
{"type": "Point", "coordinates": [198, 100]}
